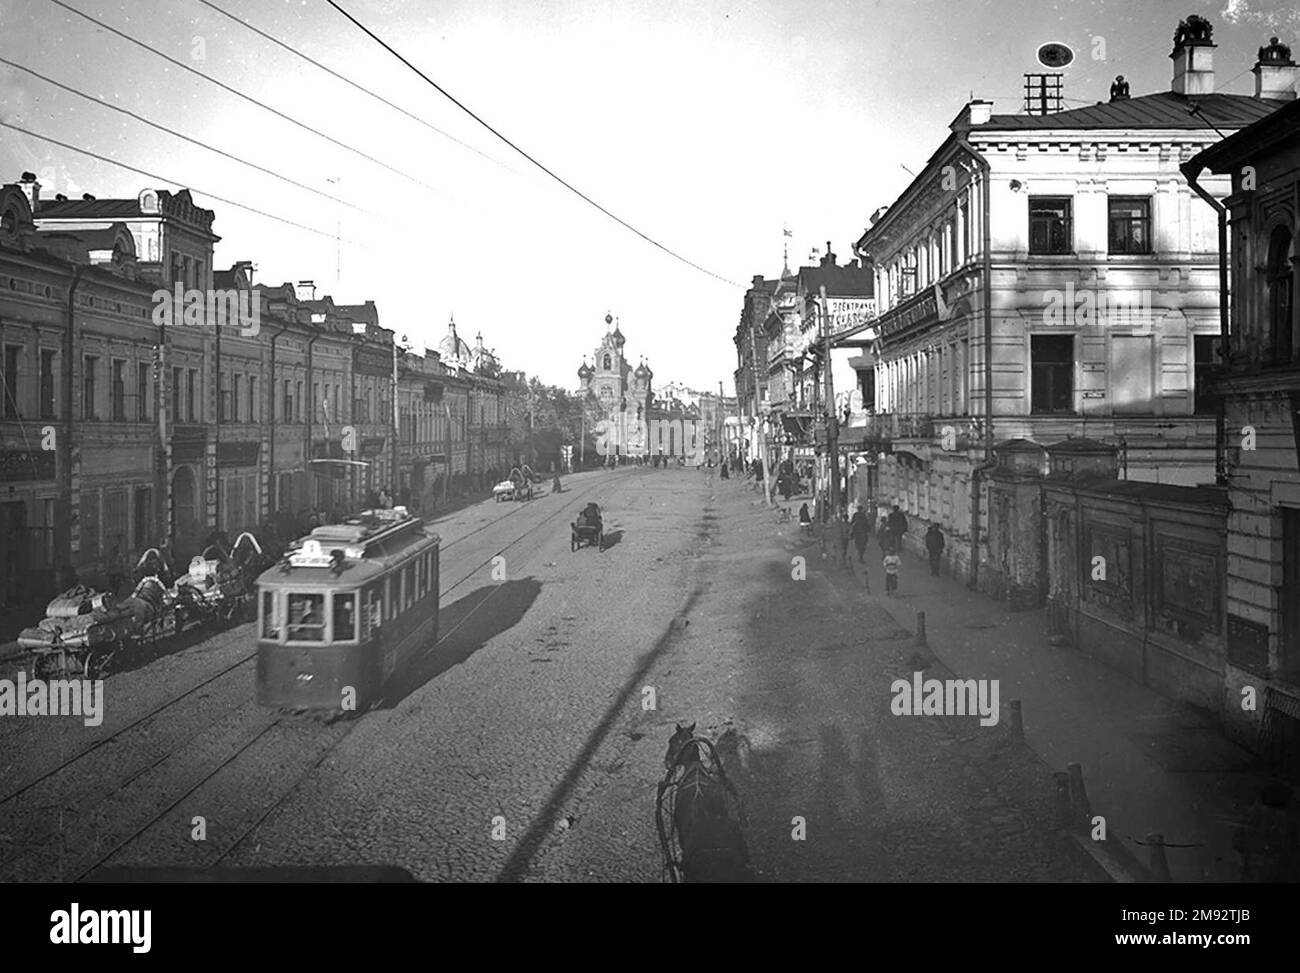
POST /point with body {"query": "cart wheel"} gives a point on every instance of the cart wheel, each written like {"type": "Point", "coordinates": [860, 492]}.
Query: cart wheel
{"type": "Point", "coordinates": [96, 663]}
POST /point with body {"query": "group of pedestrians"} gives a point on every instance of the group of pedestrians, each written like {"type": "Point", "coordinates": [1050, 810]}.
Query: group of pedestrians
{"type": "Point", "coordinates": [889, 526]}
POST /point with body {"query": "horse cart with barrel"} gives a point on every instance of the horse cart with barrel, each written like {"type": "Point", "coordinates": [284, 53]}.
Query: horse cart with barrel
{"type": "Point", "coordinates": [91, 633]}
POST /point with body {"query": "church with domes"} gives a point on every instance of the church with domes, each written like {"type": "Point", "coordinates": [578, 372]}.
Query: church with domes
{"type": "Point", "coordinates": [612, 382]}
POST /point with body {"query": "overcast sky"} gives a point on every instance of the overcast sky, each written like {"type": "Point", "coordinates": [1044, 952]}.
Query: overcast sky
{"type": "Point", "coordinates": [708, 125]}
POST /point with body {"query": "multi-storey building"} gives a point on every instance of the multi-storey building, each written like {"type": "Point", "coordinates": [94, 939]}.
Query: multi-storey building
{"type": "Point", "coordinates": [622, 395]}
{"type": "Point", "coordinates": [132, 417]}
{"type": "Point", "coordinates": [1050, 276]}
{"type": "Point", "coordinates": [1260, 389]}
{"type": "Point", "coordinates": [752, 371]}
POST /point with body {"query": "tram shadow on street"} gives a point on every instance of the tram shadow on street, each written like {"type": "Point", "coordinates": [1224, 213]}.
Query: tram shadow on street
{"type": "Point", "coordinates": [464, 627]}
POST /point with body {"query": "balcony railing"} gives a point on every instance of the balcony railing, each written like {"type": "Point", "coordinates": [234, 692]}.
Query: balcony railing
{"type": "Point", "coordinates": [951, 432]}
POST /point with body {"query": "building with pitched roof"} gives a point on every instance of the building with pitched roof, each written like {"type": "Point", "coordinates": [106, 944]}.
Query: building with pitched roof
{"type": "Point", "coordinates": [1049, 276]}
{"type": "Point", "coordinates": [1259, 388]}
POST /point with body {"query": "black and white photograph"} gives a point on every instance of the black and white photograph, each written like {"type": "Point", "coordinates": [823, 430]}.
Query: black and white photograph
{"type": "Point", "coordinates": [647, 442]}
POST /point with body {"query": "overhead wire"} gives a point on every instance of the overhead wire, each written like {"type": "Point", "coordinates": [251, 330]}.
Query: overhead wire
{"type": "Point", "coordinates": [177, 182]}
{"type": "Point", "coordinates": [567, 185]}
{"type": "Point", "coordinates": [246, 97]}
{"type": "Point", "coordinates": [181, 135]}
{"type": "Point", "coordinates": [349, 81]}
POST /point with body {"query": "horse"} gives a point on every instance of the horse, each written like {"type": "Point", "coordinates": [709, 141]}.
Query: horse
{"type": "Point", "coordinates": [705, 814]}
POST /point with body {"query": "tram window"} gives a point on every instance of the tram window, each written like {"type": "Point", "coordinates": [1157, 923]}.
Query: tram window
{"type": "Point", "coordinates": [408, 585]}
{"type": "Point", "coordinates": [306, 618]}
{"type": "Point", "coordinates": [419, 576]}
{"type": "Point", "coordinates": [345, 625]}
{"type": "Point", "coordinates": [270, 615]}
{"type": "Point", "coordinates": [391, 599]}
{"type": "Point", "coordinates": [375, 606]}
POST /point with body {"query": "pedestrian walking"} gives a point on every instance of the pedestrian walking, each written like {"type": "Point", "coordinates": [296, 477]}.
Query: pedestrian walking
{"type": "Point", "coordinates": [898, 525]}
{"type": "Point", "coordinates": [1268, 841]}
{"type": "Point", "coordinates": [860, 531]}
{"type": "Point", "coordinates": [891, 563]}
{"type": "Point", "coordinates": [934, 544]}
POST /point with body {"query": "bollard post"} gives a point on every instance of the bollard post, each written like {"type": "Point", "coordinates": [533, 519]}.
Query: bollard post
{"type": "Point", "coordinates": [1080, 794]}
{"type": "Point", "coordinates": [1063, 813]}
{"type": "Point", "coordinates": [920, 628]}
{"type": "Point", "coordinates": [1159, 861]}
{"type": "Point", "coordinates": [1017, 720]}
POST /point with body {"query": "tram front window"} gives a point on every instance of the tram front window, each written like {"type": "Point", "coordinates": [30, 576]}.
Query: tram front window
{"type": "Point", "coordinates": [306, 618]}
{"type": "Point", "coordinates": [344, 618]}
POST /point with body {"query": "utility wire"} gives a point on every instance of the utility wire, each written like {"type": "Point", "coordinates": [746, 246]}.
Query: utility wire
{"type": "Point", "coordinates": [176, 182]}
{"type": "Point", "coordinates": [249, 98]}
{"type": "Point", "coordinates": [181, 135]}
{"type": "Point", "coordinates": [346, 80]}
{"type": "Point", "coordinates": [442, 91]}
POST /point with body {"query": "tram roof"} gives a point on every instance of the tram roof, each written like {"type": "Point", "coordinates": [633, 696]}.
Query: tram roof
{"type": "Point", "coordinates": [371, 544]}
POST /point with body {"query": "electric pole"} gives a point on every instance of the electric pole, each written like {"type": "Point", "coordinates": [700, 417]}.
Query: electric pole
{"type": "Point", "coordinates": [832, 433]}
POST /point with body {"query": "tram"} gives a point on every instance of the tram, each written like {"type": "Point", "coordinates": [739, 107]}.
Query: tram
{"type": "Point", "coordinates": [348, 605]}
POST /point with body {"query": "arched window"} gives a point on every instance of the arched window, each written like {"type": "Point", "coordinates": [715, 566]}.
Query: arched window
{"type": "Point", "coordinates": [608, 363]}
{"type": "Point", "coordinates": [1280, 289]}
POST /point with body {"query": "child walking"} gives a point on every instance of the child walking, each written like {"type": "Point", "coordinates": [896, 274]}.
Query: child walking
{"type": "Point", "coordinates": [891, 563]}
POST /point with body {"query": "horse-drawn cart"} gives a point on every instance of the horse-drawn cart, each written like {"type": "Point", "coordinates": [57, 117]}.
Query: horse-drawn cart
{"type": "Point", "coordinates": [588, 529]}
{"type": "Point", "coordinates": [90, 633]}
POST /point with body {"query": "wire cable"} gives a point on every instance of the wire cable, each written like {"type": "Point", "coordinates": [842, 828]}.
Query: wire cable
{"type": "Point", "coordinates": [346, 80]}
{"type": "Point", "coordinates": [577, 192]}
{"type": "Point", "coordinates": [176, 182]}
{"type": "Point", "coordinates": [187, 138]}
{"type": "Point", "coordinates": [249, 98]}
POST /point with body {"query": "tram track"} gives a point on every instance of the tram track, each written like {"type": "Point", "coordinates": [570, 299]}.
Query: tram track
{"type": "Point", "coordinates": [228, 761]}
{"type": "Point", "coordinates": [242, 661]}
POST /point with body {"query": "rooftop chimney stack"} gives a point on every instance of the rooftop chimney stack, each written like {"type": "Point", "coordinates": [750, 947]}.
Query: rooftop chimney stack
{"type": "Point", "coordinates": [1275, 72]}
{"type": "Point", "coordinates": [31, 189]}
{"type": "Point", "coordinates": [306, 290]}
{"type": "Point", "coordinates": [1193, 57]}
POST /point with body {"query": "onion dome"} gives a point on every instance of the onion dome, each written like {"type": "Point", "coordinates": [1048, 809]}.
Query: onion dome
{"type": "Point", "coordinates": [585, 371]}
{"type": "Point", "coordinates": [642, 371]}
{"type": "Point", "coordinates": [616, 337]}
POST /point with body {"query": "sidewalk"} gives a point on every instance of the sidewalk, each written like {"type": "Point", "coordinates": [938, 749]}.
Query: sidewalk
{"type": "Point", "coordinates": [1150, 764]}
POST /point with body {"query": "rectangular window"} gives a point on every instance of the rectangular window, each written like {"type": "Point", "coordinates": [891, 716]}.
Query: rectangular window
{"type": "Point", "coordinates": [1052, 373]}
{"type": "Point", "coordinates": [306, 618]}
{"type": "Point", "coordinates": [297, 404]}
{"type": "Point", "coordinates": [223, 402]}
{"type": "Point", "coordinates": [391, 596]}
{"type": "Point", "coordinates": [10, 390]}
{"type": "Point", "coordinates": [178, 383]}
{"type": "Point", "coordinates": [88, 387]}
{"type": "Point", "coordinates": [345, 618]}
{"type": "Point", "coordinates": [374, 608]}
{"type": "Point", "coordinates": [315, 397]}
{"type": "Point", "coordinates": [408, 586]}
{"type": "Point", "coordinates": [252, 398]}
{"type": "Point", "coordinates": [47, 385]}
{"type": "Point", "coordinates": [117, 390]}
{"type": "Point", "coordinates": [287, 414]}
{"type": "Point", "coordinates": [1130, 224]}
{"type": "Point", "coordinates": [192, 395]}
{"type": "Point", "coordinates": [234, 397]}
{"type": "Point", "coordinates": [1289, 654]}
{"type": "Point", "coordinates": [142, 372]}
{"type": "Point", "coordinates": [1207, 360]}
{"type": "Point", "coordinates": [1051, 228]}
{"type": "Point", "coordinates": [141, 516]}
{"type": "Point", "coordinates": [271, 615]}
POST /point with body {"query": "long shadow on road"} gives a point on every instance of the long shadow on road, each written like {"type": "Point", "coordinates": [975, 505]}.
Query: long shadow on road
{"type": "Point", "coordinates": [462, 630]}
{"type": "Point", "coordinates": [517, 865]}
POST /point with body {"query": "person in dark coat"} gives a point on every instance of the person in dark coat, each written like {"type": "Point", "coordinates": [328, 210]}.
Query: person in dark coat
{"type": "Point", "coordinates": [860, 531]}
{"type": "Point", "coordinates": [934, 544]}
{"type": "Point", "coordinates": [897, 527]}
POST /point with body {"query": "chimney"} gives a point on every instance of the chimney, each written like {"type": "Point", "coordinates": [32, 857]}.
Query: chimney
{"type": "Point", "coordinates": [31, 189]}
{"type": "Point", "coordinates": [1193, 57]}
{"type": "Point", "coordinates": [829, 259]}
{"type": "Point", "coordinates": [306, 290]}
{"type": "Point", "coordinates": [1274, 72]}
{"type": "Point", "coordinates": [979, 111]}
